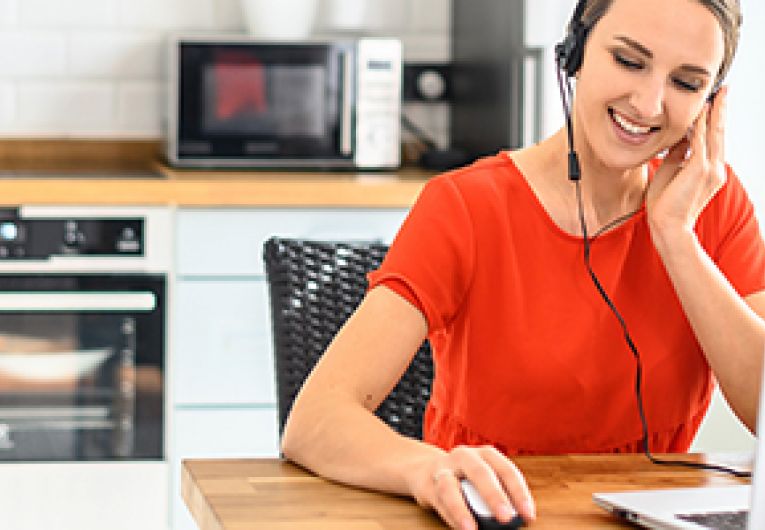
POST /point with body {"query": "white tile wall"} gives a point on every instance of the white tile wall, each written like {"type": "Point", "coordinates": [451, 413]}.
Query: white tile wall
{"type": "Point", "coordinates": [7, 106]}
{"type": "Point", "coordinates": [8, 13]}
{"type": "Point", "coordinates": [88, 68]}
{"type": "Point", "coordinates": [138, 108]}
{"type": "Point", "coordinates": [114, 55]}
{"type": "Point", "coordinates": [32, 54]}
{"type": "Point", "coordinates": [82, 108]}
{"type": "Point", "coordinates": [67, 14]}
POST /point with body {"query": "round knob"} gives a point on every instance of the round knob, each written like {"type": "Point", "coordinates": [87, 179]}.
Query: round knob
{"type": "Point", "coordinates": [431, 84]}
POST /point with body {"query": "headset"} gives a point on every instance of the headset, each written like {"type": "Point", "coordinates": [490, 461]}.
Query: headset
{"type": "Point", "coordinates": [568, 58]}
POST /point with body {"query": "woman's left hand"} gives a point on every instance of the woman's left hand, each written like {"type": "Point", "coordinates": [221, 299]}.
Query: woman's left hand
{"type": "Point", "coordinates": [690, 175]}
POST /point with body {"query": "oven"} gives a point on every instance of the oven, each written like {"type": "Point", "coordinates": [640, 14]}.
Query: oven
{"type": "Point", "coordinates": [83, 305]}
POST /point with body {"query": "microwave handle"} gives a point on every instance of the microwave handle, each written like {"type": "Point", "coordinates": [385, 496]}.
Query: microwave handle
{"type": "Point", "coordinates": [346, 146]}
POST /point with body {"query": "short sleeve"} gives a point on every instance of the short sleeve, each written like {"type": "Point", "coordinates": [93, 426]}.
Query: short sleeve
{"type": "Point", "coordinates": [738, 247]}
{"type": "Point", "coordinates": [431, 258]}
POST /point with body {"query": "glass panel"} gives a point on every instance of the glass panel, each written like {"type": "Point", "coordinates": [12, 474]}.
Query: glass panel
{"type": "Point", "coordinates": [277, 100]}
{"type": "Point", "coordinates": [70, 385]}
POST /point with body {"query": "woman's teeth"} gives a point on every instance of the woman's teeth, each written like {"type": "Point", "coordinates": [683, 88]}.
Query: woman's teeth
{"type": "Point", "coordinates": [629, 126]}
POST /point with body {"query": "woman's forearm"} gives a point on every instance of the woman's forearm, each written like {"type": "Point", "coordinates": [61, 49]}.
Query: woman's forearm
{"type": "Point", "coordinates": [345, 442]}
{"type": "Point", "coordinates": [731, 334]}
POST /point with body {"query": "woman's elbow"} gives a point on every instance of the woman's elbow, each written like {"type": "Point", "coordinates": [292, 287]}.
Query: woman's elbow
{"type": "Point", "coordinates": [289, 444]}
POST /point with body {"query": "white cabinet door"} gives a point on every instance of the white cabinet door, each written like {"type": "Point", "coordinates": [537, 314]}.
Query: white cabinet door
{"type": "Point", "coordinates": [222, 351]}
{"type": "Point", "coordinates": [234, 433]}
{"type": "Point", "coordinates": [230, 242]}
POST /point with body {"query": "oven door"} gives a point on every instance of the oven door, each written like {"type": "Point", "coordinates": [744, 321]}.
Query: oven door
{"type": "Point", "coordinates": [81, 367]}
{"type": "Point", "coordinates": [264, 104]}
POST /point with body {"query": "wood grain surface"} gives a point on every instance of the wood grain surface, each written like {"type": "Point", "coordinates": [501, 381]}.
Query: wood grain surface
{"type": "Point", "coordinates": [104, 172]}
{"type": "Point", "coordinates": [257, 494]}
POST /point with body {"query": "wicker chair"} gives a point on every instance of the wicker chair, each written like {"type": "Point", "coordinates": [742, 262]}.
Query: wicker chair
{"type": "Point", "coordinates": [314, 287]}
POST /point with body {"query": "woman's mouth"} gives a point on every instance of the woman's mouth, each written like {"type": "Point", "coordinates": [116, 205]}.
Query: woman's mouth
{"type": "Point", "coordinates": [629, 131]}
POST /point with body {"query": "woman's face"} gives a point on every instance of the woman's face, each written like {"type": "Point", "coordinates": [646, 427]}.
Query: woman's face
{"type": "Point", "coordinates": [648, 68]}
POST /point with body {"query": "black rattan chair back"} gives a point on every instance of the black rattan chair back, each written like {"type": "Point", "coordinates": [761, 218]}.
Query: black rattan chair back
{"type": "Point", "coordinates": [314, 287]}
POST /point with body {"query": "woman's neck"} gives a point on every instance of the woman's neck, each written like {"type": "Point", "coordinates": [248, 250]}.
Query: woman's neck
{"type": "Point", "coordinates": [607, 193]}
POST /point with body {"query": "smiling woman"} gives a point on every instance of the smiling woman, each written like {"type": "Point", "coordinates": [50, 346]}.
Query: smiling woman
{"type": "Point", "coordinates": [497, 267]}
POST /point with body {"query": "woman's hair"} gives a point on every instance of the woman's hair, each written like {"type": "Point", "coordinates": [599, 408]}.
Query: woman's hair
{"type": "Point", "coordinates": [728, 13]}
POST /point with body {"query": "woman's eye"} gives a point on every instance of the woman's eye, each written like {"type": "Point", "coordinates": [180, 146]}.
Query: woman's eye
{"type": "Point", "coordinates": [686, 85]}
{"type": "Point", "coordinates": [632, 65]}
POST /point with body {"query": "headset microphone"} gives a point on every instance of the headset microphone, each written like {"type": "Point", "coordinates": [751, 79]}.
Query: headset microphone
{"type": "Point", "coordinates": [568, 58]}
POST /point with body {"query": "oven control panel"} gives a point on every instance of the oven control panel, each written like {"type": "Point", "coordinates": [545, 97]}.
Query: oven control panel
{"type": "Point", "coordinates": [23, 238]}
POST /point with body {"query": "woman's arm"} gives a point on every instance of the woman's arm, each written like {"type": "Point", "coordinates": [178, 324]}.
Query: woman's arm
{"type": "Point", "coordinates": [333, 431]}
{"type": "Point", "coordinates": [731, 330]}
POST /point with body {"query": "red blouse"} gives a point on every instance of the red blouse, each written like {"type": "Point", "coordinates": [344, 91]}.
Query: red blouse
{"type": "Point", "coordinates": [528, 357]}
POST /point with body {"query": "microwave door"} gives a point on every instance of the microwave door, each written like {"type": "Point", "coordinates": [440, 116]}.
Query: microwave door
{"type": "Point", "coordinates": [266, 103]}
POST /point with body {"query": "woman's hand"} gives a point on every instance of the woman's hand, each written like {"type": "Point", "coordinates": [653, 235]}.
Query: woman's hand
{"type": "Point", "coordinates": [690, 175]}
{"type": "Point", "coordinates": [497, 479]}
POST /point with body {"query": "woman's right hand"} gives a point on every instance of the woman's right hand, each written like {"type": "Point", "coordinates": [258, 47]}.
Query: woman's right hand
{"type": "Point", "coordinates": [497, 479]}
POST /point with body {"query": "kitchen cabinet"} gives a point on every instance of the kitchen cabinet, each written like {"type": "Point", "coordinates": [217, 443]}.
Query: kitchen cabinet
{"type": "Point", "coordinates": [221, 363]}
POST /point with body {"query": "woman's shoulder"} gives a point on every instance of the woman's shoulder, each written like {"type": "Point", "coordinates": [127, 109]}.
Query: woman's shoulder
{"type": "Point", "coordinates": [491, 175]}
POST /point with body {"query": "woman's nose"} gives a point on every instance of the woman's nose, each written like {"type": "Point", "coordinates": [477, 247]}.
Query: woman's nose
{"type": "Point", "coordinates": [647, 99]}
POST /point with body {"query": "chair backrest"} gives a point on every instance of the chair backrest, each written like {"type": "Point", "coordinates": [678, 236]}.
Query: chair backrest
{"type": "Point", "coordinates": [314, 287]}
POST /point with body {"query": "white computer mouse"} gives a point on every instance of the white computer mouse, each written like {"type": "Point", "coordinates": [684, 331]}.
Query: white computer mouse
{"type": "Point", "coordinates": [482, 513]}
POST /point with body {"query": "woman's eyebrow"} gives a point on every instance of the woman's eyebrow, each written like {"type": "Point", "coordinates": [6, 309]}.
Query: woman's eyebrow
{"type": "Point", "coordinates": [636, 45]}
{"type": "Point", "coordinates": [648, 53]}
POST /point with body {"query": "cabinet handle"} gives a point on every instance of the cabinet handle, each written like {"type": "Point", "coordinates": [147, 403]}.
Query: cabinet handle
{"type": "Point", "coordinates": [28, 301]}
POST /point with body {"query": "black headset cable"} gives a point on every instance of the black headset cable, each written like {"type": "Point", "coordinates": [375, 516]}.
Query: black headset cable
{"type": "Point", "coordinates": [574, 174]}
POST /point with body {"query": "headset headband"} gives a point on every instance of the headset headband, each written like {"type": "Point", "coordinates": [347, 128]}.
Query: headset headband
{"type": "Point", "coordinates": [570, 50]}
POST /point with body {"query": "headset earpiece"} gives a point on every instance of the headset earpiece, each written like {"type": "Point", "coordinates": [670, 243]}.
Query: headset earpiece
{"type": "Point", "coordinates": [570, 50]}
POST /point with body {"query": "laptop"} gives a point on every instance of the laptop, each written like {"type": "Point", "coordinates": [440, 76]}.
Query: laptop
{"type": "Point", "coordinates": [738, 507]}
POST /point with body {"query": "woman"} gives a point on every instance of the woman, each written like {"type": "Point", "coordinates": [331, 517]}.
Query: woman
{"type": "Point", "coordinates": [489, 267]}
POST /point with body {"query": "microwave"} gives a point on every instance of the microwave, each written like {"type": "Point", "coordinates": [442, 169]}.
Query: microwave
{"type": "Point", "coordinates": [236, 102]}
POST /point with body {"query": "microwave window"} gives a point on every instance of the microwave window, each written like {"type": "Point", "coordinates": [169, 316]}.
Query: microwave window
{"type": "Point", "coordinates": [273, 100]}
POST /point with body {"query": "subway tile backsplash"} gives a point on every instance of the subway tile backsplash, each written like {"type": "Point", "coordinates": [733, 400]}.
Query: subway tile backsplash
{"type": "Point", "coordinates": [91, 68]}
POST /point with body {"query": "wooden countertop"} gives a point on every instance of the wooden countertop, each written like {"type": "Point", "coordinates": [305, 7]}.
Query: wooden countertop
{"type": "Point", "coordinates": [273, 494]}
{"type": "Point", "coordinates": [211, 189]}
{"type": "Point", "coordinates": [37, 172]}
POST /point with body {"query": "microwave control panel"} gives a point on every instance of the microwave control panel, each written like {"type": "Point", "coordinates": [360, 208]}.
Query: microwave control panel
{"type": "Point", "coordinates": [378, 105]}
{"type": "Point", "coordinates": [46, 237]}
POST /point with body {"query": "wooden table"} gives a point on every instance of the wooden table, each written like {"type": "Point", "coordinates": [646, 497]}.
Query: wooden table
{"type": "Point", "coordinates": [254, 494]}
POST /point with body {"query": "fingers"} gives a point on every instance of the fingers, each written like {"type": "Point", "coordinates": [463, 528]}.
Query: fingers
{"type": "Point", "coordinates": [677, 153]}
{"type": "Point", "coordinates": [450, 504]}
{"type": "Point", "coordinates": [715, 138]}
{"type": "Point", "coordinates": [513, 483]}
{"type": "Point", "coordinates": [699, 137]}
{"type": "Point", "coordinates": [497, 480]}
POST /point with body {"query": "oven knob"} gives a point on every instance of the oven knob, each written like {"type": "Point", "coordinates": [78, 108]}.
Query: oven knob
{"type": "Point", "coordinates": [74, 239]}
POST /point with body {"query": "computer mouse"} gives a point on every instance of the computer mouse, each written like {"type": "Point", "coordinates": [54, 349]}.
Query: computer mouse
{"type": "Point", "coordinates": [482, 513]}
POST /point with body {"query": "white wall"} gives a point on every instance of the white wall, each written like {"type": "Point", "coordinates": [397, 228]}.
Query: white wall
{"type": "Point", "coordinates": [746, 105]}
{"type": "Point", "coordinates": [91, 68]}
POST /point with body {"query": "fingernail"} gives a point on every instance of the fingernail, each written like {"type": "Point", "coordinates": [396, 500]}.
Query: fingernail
{"type": "Point", "coordinates": [506, 512]}
{"type": "Point", "coordinates": [530, 509]}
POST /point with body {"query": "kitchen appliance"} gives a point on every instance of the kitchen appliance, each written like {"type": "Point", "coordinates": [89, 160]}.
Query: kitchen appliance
{"type": "Point", "coordinates": [82, 367]}
{"type": "Point", "coordinates": [242, 103]}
